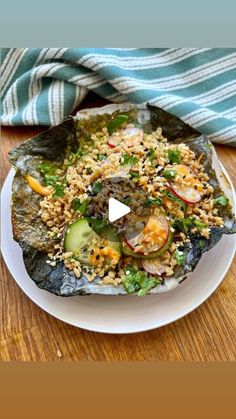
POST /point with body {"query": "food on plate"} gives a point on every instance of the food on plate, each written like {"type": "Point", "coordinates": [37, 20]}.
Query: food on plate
{"type": "Point", "coordinates": [167, 173]}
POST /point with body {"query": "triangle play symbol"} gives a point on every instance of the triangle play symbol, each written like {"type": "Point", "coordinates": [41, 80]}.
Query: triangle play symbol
{"type": "Point", "coordinates": [116, 209]}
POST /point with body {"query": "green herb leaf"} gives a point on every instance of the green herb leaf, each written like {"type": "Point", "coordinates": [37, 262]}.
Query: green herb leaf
{"type": "Point", "coordinates": [89, 170]}
{"type": "Point", "coordinates": [79, 153]}
{"type": "Point", "coordinates": [134, 175]}
{"type": "Point", "coordinates": [50, 180]}
{"type": "Point", "coordinates": [116, 123]}
{"type": "Point", "coordinates": [152, 201]}
{"type": "Point", "coordinates": [221, 200]}
{"type": "Point", "coordinates": [80, 206]}
{"type": "Point", "coordinates": [97, 224]}
{"type": "Point", "coordinates": [151, 154]}
{"type": "Point", "coordinates": [58, 185]}
{"type": "Point", "coordinates": [76, 204]}
{"type": "Point", "coordinates": [127, 159]}
{"type": "Point", "coordinates": [185, 224]}
{"type": "Point", "coordinates": [83, 206]}
{"type": "Point", "coordinates": [97, 187]}
{"type": "Point", "coordinates": [127, 201]}
{"type": "Point", "coordinates": [59, 190]}
{"type": "Point", "coordinates": [201, 244]}
{"type": "Point", "coordinates": [199, 224]}
{"type": "Point", "coordinates": [152, 283]}
{"type": "Point", "coordinates": [174, 156]}
{"type": "Point", "coordinates": [170, 195]}
{"type": "Point", "coordinates": [101, 157]}
{"type": "Point", "coordinates": [209, 145]}
{"type": "Point", "coordinates": [179, 257]}
{"type": "Point", "coordinates": [47, 168]}
{"type": "Point", "coordinates": [169, 174]}
{"type": "Point", "coordinates": [138, 281]}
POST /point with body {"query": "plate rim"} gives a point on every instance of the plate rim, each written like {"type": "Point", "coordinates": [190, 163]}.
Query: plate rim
{"type": "Point", "coordinates": [97, 328]}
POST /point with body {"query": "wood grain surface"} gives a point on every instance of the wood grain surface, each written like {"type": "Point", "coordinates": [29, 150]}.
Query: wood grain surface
{"type": "Point", "coordinates": [29, 334]}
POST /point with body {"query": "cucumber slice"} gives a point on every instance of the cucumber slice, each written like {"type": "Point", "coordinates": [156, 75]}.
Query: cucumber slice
{"type": "Point", "coordinates": [78, 239]}
{"type": "Point", "coordinates": [81, 239]}
{"type": "Point", "coordinates": [110, 234]}
{"type": "Point", "coordinates": [126, 250]}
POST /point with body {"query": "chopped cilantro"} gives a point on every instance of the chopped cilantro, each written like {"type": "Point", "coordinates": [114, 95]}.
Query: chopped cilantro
{"type": "Point", "coordinates": [47, 168]}
{"type": "Point", "coordinates": [101, 157]}
{"type": "Point", "coordinates": [97, 187]}
{"type": "Point", "coordinates": [127, 201]}
{"type": "Point", "coordinates": [151, 154]}
{"type": "Point", "coordinates": [179, 257]}
{"type": "Point", "coordinates": [59, 189]}
{"type": "Point", "coordinates": [151, 283]}
{"type": "Point", "coordinates": [79, 153]}
{"type": "Point", "coordinates": [152, 201]}
{"type": "Point", "coordinates": [127, 159]}
{"type": "Point", "coordinates": [201, 244]}
{"type": "Point", "coordinates": [199, 224]}
{"type": "Point", "coordinates": [116, 123]}
{"type": "Point", "coordinates": [171, 196]}
{"type": "Point", "coordinates": [97, 224]}
{"type": "Point", "coordinates": [58, 185]}
{"type": "Point", "coordinates": [50, 180]}
{"type": "Point", "coordinates": [138, 281]}
{"type": "Point", "coordinates": [182, 225]}
{"type": "Point", "coordinates": [174, 156]}
{"type": "Point", "coordinates": [169, 174]}
{"type": "Point", "coordinates": [134, 175]}
{"type": "Point", "coordinates": [175, 206]}
{"type": "Point", "coordinates": [185, 224]}
{"type": "Point", "coordinates": [80, 206]}
{"type": "Point", "coordinates": [221, 200]}
{"type": "Point", "coordinates": [73, 157]}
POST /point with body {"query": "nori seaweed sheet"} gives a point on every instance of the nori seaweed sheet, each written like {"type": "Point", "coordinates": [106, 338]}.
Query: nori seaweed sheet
{"type": "Point", "coordinates": [30, 231]}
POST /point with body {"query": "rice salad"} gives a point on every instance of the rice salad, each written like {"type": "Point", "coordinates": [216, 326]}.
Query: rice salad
{"type": "Point", "coordinates": [171, 201]}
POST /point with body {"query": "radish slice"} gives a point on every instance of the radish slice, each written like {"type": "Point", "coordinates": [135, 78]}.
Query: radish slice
{"type": "Point", "coordinates": [130, 136]}
{"type": "Point", "coordinates": [146, 237]}
{"type": "Point", "coordinates": [188, 193]}
{"type": "Point", "coordinates": [133, 237]}
{"type": "Point", "coordinates": [154, 266]}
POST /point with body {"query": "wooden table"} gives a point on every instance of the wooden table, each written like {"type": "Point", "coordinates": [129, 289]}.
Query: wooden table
{"type": "Point", "coordinates": [27, 333]}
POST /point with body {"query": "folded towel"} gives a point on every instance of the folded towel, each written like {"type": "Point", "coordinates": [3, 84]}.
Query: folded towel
{"type": "Point", "coordinates": [43, 86]}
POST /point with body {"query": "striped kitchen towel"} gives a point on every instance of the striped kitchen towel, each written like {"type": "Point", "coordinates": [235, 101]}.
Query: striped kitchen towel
{"type": "Point", "coordinates": [43, 86]}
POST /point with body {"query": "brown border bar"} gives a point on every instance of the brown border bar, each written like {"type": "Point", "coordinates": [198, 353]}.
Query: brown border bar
{"type": "Point", "coordinates": [145, 390]}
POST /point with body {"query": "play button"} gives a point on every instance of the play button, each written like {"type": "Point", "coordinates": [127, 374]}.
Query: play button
{"type": "Point", "coordinates": [116, 210]}
{"type": "Point", "coordinates": [120, 201]}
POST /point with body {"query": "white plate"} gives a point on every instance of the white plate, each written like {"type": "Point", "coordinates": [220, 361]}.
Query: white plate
{"type": "Point", "coordinates": [120, 314]}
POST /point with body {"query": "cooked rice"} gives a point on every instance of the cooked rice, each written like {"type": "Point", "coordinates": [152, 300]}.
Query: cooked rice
{"type": "Point", "coordinates": [82, 173]}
